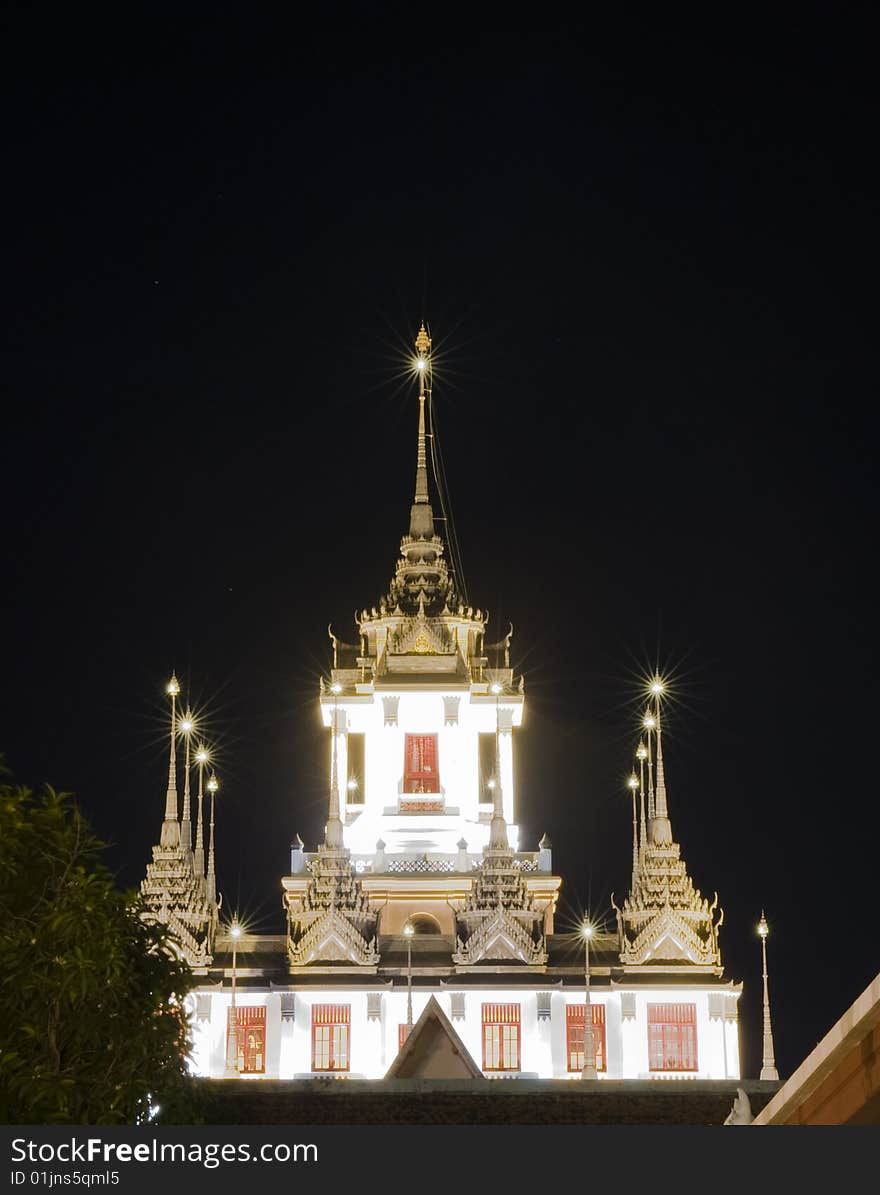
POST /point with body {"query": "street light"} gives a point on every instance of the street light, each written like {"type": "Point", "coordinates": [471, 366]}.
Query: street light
{"type": "Point", "coordinates": [768, 1062]}
{"type": "Point", "coordinates": [589, 1071]}
{"type": "Point", "coordinates": [232, 1044]}
{"type": "Point", "coordinates": [409, 930]}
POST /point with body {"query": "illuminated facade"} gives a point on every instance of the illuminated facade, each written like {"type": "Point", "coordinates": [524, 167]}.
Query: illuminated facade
{"type": "Point", "coordinates": [419, 890]}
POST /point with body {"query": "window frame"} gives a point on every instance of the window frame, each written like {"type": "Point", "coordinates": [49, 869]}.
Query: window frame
{"type": "Point", "coordinates": [576, 1026]}
{"type": "Point", "coordinates": [418, 779]}
{"type": "Point", "coordinates": [331, 1031]}
{"type": "Point", "coordinates": [672, 1038]}
{"type": "Point", "coordinates": [250, 1020]}
{"type": "Point", "coordinates": [501, 1038]}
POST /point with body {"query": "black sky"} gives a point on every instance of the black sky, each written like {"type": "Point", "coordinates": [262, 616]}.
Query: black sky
{"type": "Point", "coordinates": [648, 261]}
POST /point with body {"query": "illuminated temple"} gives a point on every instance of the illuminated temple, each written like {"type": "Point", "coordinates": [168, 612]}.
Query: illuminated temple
{"type": "Point", "coordinates": [420, 936]}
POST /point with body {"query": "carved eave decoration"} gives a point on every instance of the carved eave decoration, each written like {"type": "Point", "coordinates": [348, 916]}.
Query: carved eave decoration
{"type": "Point", "coordinates": [331, 938]}
{"type": "Point", "coordinates": [422, 636]}
{"type": "Point", "coordinates": [501, 936]}
{"type": "Point", "coordinates": [669, 935]}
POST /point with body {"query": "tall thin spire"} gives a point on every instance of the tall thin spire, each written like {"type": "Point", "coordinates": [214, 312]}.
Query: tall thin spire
{"type": "Point", "coordinates": [633, 784]}
{"type": "Point", "coordinates": [768, 1060]}
{"type": "Point", "coordinates": [211, 878]}
{"type": "Point", "coordinates": [642, 755]}
{"type": "Point", "coordinates": [170, 835]}
{"type": "Point", "coordinates": [199, 854]}
{"type": "Point", "coordinates": [423, 364]}
{"type": "Point", "coordinates": [186, 728]}
{"type": "Point", "coordinates": [649, 723]}
{"type": "Point", "coordinates": [661, 830]}
{"type": "Point", "coordinates": [421, 519]}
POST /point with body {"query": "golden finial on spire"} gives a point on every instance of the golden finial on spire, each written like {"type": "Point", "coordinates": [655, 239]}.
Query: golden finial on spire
{"type": "Point", "coordinates": [423, 347]}
{"type": "Point", "coordinates": [423, 341]}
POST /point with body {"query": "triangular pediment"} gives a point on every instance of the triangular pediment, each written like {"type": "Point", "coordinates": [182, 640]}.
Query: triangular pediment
{"type": "Point", "coordinates": [433, 1050]}
{"type": "Point", "coordinates": [500, 937]}
{"type": "Point", "coordinates": [668, 937]}
{"type": "Point", "coordinates": [421, 636]}
{"type": "Point", "coordinates": [331, 938]}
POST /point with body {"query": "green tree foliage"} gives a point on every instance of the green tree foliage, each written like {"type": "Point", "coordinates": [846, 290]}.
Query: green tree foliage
{"type": "Point", "coordinates": [92, 1023]}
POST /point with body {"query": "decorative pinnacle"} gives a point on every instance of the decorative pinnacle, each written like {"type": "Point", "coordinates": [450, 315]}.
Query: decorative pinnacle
{"type": "Point", "coordinates": [423, 341]}
{"type": "Point", "coordinates": [768, 1060]}
{"type": "Point", "coordinates": [661, 830]}
{"type": "Point", "coordinates": [211, 876]}
{"type": "Point", "coordinates": [199, 853]}
{"type": "Point", "coordinates": [170, 835]}
{"type": "Point", "coordinates": [423, 348]}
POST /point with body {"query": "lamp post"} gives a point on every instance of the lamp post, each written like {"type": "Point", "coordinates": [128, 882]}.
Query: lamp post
{"type": "Point", "coordinates": [768, 1062]}
{"type": "Point", "coordinates": [232, 1043]}
{"type": "Point", "coordinates": [408, 931]}
{"type": "Point", "coordinates": [589, 1071]}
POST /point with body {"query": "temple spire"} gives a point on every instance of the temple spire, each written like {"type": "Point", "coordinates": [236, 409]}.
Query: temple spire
{"type": "Point", "coordinates": [768, 1060]}
{"type": "Point", "coordinates": [170, 836]}
{"type": "Point", "coordinates": [421, 523]}
{"type": "Point", "coordinates": [661, 830]}
{"type": "Point", "coordinates": [211, 878]}
{"type": "Point", "coordinates": [632, 785]}
{"type": "Point", "coordinates": [423, 364]}
{"type": "Point", "coordinates": [199, 854]}
{"type": "Point", "coordinates": [642, 755]}
{"type": "Point", "coordinates": [186, 729]}
{"type": "Point", "coordinates": [649, 723]}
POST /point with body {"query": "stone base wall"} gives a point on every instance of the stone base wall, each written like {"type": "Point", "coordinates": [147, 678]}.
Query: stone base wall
{"type": "Point", "coordinates": [487, 1102]}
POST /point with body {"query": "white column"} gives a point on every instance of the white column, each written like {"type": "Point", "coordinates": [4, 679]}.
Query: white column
{"type": "Point", "coordinates": [273, 1036]}
{"type": "Point", "coordinates": [340, 730]}
{"type": "Point", "coordinates": [505, 750]}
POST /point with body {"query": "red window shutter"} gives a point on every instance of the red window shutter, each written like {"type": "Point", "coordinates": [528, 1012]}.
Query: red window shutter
{"type": "Point", "coordinates": [672, 1037]}
{"type": "Point", "coordinates": [575, 1024]}
{"type": "Point", "coordinates": [402, 1035]}
{"type": "Point", "coordinates": [501, 1037]}
{"type": "Point", "coordinates": [420, 771]}
{"type": "Point", "coordinates": [331, 1027]}
{"type": "Point", "coordinates": [250, 1022]}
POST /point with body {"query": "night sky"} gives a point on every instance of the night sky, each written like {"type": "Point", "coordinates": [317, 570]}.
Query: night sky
{"type": "Point", "coordinates": [649, 266]}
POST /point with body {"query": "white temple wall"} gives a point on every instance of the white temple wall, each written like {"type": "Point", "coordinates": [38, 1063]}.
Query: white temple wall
{"type": "Point", "coordinates": [423, 712]}
{"type": "Point", "coordinates": [543, 1043]}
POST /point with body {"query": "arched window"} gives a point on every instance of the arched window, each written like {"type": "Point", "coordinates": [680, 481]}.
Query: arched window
{"type": "Point", "coordinates": [424, 923]}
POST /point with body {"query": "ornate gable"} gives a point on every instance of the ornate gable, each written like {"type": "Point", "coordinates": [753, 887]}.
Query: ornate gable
{"type": "Point", "coordinates": [331, 937]}
{"type": "Point", "coordinates": [665, 917]}
{"type": "Point", "coordinates": [422, 636]}
{"type": "Point", "coordinates": [332, 921]}
{"type": "Point", "coordinates": [501, 935]}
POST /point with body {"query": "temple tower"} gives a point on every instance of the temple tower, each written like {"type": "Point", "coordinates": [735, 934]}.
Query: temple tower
{"type": "Point", "coordinates": [422, 712]}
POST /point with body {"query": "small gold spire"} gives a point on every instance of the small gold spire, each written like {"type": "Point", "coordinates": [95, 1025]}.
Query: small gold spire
{"type": "Point", "coordinates": [423, 341]}
{"type": "Point", "coordinates": [423, 348]}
